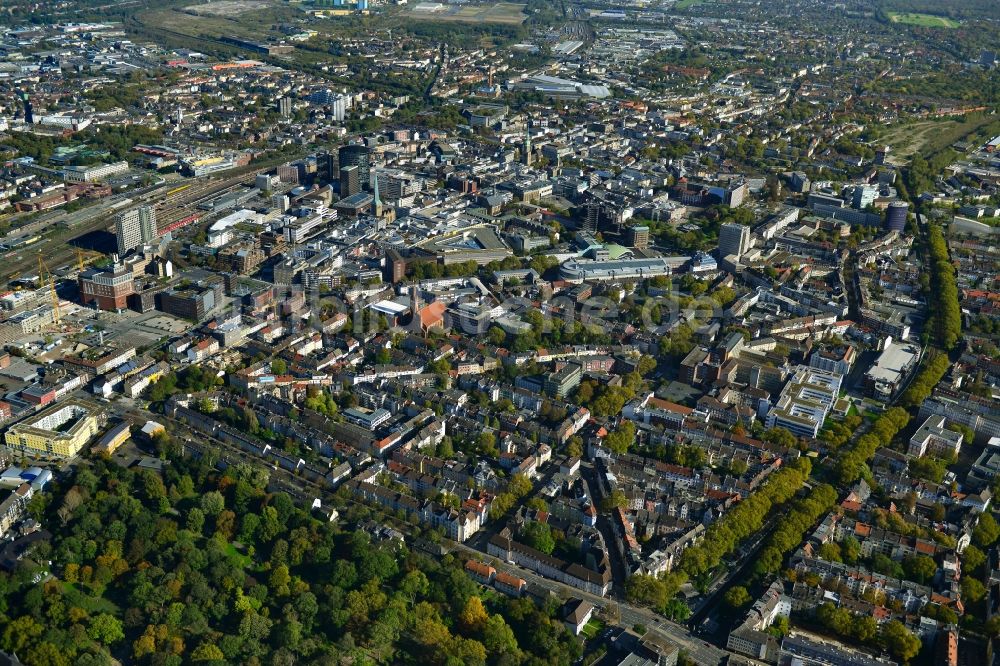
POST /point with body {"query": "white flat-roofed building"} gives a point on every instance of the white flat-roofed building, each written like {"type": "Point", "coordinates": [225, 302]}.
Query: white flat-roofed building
{"type": "Point", "coordinates": [891, 369]}
{"type": "Point", "coordinates": [242, 216]}
{"type": "Point", "coordinates": [805, 401]}
{"type": "Point", "coordinates": [367, 418]}
{"type": "Point", "coordinates": [90, 174]}
{"type": "Point", "coordinates": [839, 359]}
{"type": "Point", "coordinates": [300, 229]}
{"type": "Point", "coordinates": [567, 48]}
{"type": "Point", "coordinates": [391, 309]}
{"type": "Point", "coordinates": [934, 439]}
{"type": "Point", "coordinates": [588, 270]}
{"type": "Point", "coordinates": [554, 86]}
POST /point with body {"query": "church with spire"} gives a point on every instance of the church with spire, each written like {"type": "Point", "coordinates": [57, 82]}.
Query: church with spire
{"type": "Point", "coordinates": [526, 156]}
{"type": "Point", "coordinates": [425, 317]}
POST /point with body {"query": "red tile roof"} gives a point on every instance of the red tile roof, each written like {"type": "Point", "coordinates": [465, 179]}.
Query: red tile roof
{"type": "Point", "coordinates": [480, 569]}
{"type": "Point", "coordinates": [509, 580]}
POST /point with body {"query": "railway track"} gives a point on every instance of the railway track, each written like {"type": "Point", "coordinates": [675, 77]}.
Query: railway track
{"type": "Point", "coordinates": [173, 205]}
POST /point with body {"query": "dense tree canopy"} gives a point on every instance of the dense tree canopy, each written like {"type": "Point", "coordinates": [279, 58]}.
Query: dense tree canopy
{"type": "Point", "coordinates": [206, 567]}
{"type": "Point", "coordinates": [894, 636]}
{"type": "Point", "coordinates": [725, 535]}
{"type": "Point", "coordinates": [853, 464]}
{"type": "Point", "coordinates": [945, 322]}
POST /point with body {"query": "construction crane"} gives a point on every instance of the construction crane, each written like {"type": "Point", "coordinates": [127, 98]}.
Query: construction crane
{"type": "Point", "coordinates": [80, 262]}
{"type": "Point", "coordinates": [42, 270]}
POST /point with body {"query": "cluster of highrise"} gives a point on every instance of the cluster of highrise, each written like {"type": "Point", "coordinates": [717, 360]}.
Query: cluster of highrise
{"type": "Point", "coordinates": [136, 228]}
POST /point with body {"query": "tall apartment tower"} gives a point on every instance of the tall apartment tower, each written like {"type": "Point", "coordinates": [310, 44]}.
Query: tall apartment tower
{"type": "Point", "coordinates": [591, 217]}
{"type": "Point", "coordinates": [733, 239]}
{"type": "Point", "coordinates": [135, 228]}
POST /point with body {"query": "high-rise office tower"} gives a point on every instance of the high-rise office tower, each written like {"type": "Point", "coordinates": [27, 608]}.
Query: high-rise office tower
{"type": "Point", "coordinates": [378, 198]}
{"type": "Point", "coordinates": [733, 239]}
{"type": "Point", "coordinates": [262, 182]}
{"type": "Point", "coordinates": [359, 156]}
{"type": "Point", "coordinates": [29, 116]}
{"type": "Point", "coordinates": [349, 180]}
{"type": "Point", "coordinates": [328, 167]}
{"type": "Point", "coordinates": [338, 108]}
{"type": "Point", "coordinates": [592, 216]}
{"type": "Point", "coordinates": [895, 219]}
{"type": "Point", "coordinates": [135, 228]}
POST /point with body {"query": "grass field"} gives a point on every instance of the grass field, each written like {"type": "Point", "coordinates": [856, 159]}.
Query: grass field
{"type": "Point", "coordinates": [921, 20]}
{"type": "Point", "coordinates": [908, 138]}
{"type": "Point", "coordinates": [243, 559]}
{"type": "Point", "coordinates": [250, 19]}
{"type": "Point", "coordinates": [592, 628]}
{"type": "Point", "coordinates": [684, 4]}
{"type": "Point", "coordinates": [88, 602]}
{"type": "Point", "coordinates": [228, 7]}
{"type": "Point", "coordinates": [197, 25]}
{"type": "Point", "coordinates": [928, 136]}
{"type": "Point", "coordinates": [505, 13]}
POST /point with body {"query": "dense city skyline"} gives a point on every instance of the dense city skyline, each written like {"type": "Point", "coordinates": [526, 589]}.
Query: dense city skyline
{"type": "Point", "coordinates": [499, 333]}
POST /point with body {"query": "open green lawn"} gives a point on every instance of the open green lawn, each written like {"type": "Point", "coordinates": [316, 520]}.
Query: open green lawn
{"type": "Point", "coordinates": [243, 559]}
{"type": "Point", "coordinates": [592, 628]}
{"type": "Point", "coordinates": [92, 603]}
{"type": "Point", "coordinates": [684, 4]}
{"type": "Point", "coordinates": [922, 20]}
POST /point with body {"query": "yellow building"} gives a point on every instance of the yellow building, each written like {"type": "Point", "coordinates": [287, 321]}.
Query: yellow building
{"type": "Point", "coordinates": [113, 438]}
{"type": "Point", "coordinates": [61, 431]}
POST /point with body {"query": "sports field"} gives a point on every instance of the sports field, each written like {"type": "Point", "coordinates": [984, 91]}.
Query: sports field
{"type": "Point", "coordinates": [922, 20]}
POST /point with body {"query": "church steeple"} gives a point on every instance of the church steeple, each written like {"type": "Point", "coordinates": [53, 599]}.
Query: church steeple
{"type": "Point", "coordinates": [415, 307]}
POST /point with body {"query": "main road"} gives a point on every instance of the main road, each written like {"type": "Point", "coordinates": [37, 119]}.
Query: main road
{"type": "Point", "coordinates": [628, 615]}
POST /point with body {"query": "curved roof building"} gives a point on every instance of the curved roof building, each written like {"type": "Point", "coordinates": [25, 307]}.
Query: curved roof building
{"type": "Point", "coordinates": [582, 270]}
